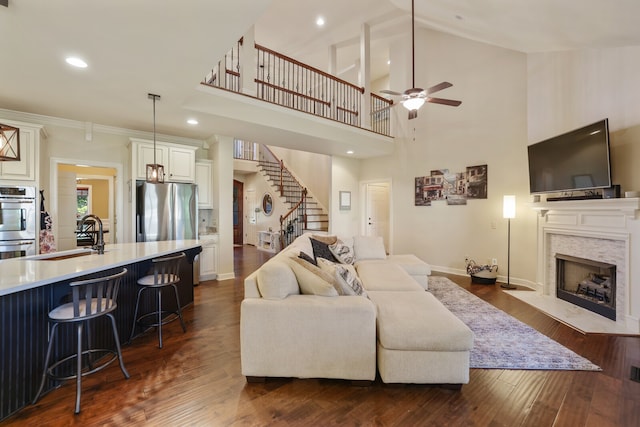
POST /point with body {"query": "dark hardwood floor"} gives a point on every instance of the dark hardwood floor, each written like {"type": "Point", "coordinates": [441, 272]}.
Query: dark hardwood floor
{"type": "Point", "coordinates": [195, 380]}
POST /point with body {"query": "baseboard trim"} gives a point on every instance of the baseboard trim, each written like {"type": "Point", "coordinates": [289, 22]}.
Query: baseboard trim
{"type": "Point", "coordinates": [226, 276]}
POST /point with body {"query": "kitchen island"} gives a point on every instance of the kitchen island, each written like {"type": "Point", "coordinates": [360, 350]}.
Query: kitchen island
{"type": "Point", "coordinates": [30, 287]}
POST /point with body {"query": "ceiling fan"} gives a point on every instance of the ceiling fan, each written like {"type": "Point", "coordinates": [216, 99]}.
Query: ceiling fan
{"type": "Point", "coordinates": [414, 98]}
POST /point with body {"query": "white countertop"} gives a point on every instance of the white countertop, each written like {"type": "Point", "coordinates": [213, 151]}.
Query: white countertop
{"type": "Point", "coordinates": [18, 274]}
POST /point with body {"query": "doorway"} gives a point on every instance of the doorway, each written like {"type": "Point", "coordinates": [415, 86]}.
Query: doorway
{"type": "Point", "coordinates": [377, 211]}
{"type": "Point", "coordinates": [238, 212]}
{"type": "Point", "coordinates": [67, 176]}
{"type": "Point", "coordinates": [250, 217]}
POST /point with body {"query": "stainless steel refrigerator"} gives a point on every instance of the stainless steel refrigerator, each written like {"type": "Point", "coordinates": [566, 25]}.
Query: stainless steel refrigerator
{"type": "Point", "coordinates": [166, 212]}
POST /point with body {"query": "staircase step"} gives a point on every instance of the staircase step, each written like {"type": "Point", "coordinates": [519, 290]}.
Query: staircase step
{"type": "Point", "coordinates": [325, 229]}
{"type": "Point", "coordinates": [317, 217]}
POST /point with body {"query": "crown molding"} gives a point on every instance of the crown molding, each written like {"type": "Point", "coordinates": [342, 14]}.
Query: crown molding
{"type": "Point", "coordinates": [96, 128]}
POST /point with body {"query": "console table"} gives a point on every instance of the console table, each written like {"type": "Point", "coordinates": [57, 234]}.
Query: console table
{"type": "Point", "coordinates": [268, 241]}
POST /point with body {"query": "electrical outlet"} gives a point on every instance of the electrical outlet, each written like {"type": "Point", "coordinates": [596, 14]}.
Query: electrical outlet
{"type": "Point", "coordinates": [493, 225]}
{"type": "Point", "coordinates": [494, 261]}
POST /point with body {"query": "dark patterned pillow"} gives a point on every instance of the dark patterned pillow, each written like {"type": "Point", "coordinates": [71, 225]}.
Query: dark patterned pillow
{"type": "Point", "coordinates": [307, 258]}
{"type": "Point", "coordinates": [321, 250]}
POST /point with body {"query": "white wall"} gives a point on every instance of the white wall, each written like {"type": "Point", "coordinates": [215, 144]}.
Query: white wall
{"type": "Point", "coordinates": [571, 89]}
{"type": "Point", "coordinates": [311, 169]}
{"type": "Point", "coordinates": [488, 128]}
{"type": "Point", "coordinates": [345, 173]}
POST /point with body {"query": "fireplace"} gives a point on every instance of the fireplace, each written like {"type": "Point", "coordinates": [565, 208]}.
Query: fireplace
{"type": "Point", "coordinates": [605, 230]}
{"type": "Point", "coordinates": [587, 283]}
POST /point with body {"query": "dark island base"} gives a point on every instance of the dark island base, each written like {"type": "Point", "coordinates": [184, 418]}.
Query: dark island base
{"type": "Point", "coordinates": [25, 329]}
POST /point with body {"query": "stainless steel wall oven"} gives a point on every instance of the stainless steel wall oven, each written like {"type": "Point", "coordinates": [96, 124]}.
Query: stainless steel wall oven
{"type": "Point", "coordinates": [17, 222]}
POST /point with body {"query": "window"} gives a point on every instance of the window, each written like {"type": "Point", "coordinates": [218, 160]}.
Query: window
{"type": "Point", "coordinates": [83, 193]}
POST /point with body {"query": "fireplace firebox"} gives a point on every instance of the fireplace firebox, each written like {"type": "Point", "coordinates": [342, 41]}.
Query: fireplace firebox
{"type": "Point", "coordinates": [587, 283]}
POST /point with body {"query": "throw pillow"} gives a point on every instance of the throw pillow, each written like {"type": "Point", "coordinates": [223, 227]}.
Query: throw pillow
{"type": "Point", "coordinates": [329, 240]}
{"type": "Point", "coordinates": [331, 267]}
{"type": "Point", "coordinates": [321, 250]}
{"type": "Point", "coordinates": [368, 247]}
{"type": "Point", "coordinates": [311, 279]}
{"type": "Point", "coordinates": [276, 280]}
{"type": "Point", "coordinates": [303, 244]}
{"type": "Point", "coordinates": [342, 252]}
{"type": "Point", "coordinates": [347, 276]}
{"type": "Point", "coordinates": [304, 256]}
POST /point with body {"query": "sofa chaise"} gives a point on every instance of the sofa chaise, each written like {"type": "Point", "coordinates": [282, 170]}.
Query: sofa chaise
{"type": "Point", "coordinates": [360, 314]}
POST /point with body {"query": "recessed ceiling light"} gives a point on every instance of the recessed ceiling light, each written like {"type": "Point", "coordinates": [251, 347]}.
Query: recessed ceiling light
{"type": "Point", "coordinates": [350, 152]}
{"type": "Point", "coordinates": [76, 62]}
{"type": "Point", "coordinates": [320, 21]}
{"type": "Point", "coordinates": [388, 62]}
{"type": "Point", "coordinates": [192, 121]}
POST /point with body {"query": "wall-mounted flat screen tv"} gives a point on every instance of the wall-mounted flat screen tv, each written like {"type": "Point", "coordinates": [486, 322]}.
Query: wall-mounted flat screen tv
{"type": "Point", "coordinates": [576, 160]}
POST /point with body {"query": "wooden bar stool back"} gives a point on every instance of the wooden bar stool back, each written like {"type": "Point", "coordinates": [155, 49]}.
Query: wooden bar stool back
{"type": "Point", "coordinates": [165, 274]}
{"type": "Point", "coordinates": [91, 299]}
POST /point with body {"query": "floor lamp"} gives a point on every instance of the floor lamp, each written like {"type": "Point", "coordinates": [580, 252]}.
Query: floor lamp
{"type": "Point", "coordinates": [508, 212]}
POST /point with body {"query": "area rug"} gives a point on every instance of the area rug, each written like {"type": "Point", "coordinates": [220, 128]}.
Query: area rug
{"type": "Point", "coordinates": [502, 341]}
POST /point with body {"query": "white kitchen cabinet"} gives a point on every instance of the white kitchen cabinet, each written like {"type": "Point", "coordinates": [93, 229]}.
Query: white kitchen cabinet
{"type": "Point", "coordinates": [145, 157]}
{"type": "Point", "coordinates": [178, 161]}
{"type": "Point", "coordinates": [182, 164]}
{"type": "Point", "coordinates": [204, 176]}
{"type": "Point", "coordinates": [24, 169]}
{"type": "Point", "coordinates": [209, 257]}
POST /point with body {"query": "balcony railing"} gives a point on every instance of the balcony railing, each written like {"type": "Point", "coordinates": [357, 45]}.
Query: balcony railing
{"type": "Point", "coordinates": [226, 73]}
{"type": "Point", "coordinates": [284, 81]}
{"type": "Point", "coordinates": [245, 150]}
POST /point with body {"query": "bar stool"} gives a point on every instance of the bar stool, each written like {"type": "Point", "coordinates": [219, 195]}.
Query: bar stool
{"type": "Point", "coordinates": [91, 299]}
{"type": "Point", "coordinates": [165, 274]}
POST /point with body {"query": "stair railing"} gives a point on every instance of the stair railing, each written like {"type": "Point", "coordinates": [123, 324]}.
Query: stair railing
{"type": "Point", "coordinates": [267, 156]}
{"type": "Point", "coordinates": [292, 226]}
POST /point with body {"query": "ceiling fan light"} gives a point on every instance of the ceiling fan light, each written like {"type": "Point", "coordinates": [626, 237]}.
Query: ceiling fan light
{"type": "Point", "coordinates": [413, 103]}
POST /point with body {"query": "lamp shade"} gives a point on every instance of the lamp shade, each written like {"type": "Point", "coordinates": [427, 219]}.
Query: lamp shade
{"type": "Point", "coordinates": [509, 207]}
{"type": "Point", "coordinates": [413, 103]}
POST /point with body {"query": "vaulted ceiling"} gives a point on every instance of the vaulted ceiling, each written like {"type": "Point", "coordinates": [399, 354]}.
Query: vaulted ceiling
{"type": "Point", "coordinates": [136, 47]}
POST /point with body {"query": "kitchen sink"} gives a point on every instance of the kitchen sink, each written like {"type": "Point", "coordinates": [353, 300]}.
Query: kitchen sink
{"type": "Point", "coordinates": [57, 256]}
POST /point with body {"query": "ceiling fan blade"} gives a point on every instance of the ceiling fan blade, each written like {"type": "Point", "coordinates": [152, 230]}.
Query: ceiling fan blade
{"type": "Point", "coordinates": [391, 92]}
{"type": "Point", "coordinates": [443, 101]}
{"type": "Point", "coordinates": [438, 87]}
{"type": "Point", "coordinates": [413, 114]}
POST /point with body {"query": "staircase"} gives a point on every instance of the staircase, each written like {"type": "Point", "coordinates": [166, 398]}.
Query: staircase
{"type": "Point", "coordinates": [304, 213]}
{"type": "Point", "coordinates": [316, 218]}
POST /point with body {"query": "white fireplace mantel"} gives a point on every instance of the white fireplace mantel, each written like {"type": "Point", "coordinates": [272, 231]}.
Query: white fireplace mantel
{"type": "Point", "coordinates": [628, 207]}
{"type": "Point", "coordinates": [599, 224]}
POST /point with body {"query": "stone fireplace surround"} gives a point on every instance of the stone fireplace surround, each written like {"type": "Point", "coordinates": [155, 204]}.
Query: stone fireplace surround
{"type": "Point", "coordinates": [605, 230]}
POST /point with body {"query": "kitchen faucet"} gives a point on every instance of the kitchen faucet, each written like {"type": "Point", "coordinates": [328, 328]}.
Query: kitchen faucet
{"type": "Point", "coordinates": [99, 246]}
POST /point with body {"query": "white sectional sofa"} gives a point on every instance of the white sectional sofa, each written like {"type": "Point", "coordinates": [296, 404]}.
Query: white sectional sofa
{"type": "Point", "coordinates": [297, 320]}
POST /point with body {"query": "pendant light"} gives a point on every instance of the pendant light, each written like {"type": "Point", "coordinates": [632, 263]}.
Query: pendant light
{"type": "Point", "coordinates": [9, 143]}
{"type": "Point", "coordinates": [155, 172]}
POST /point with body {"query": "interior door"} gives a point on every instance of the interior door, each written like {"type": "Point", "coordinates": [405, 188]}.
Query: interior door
{"type": "Point", "coordinates": [67, 210]}
{"type": "Point", "coordinates": [251, 217]}
{"type": "Point", "coordinates": [377, 211]}
{"type": "Point", "coordinates": [238, 220]}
